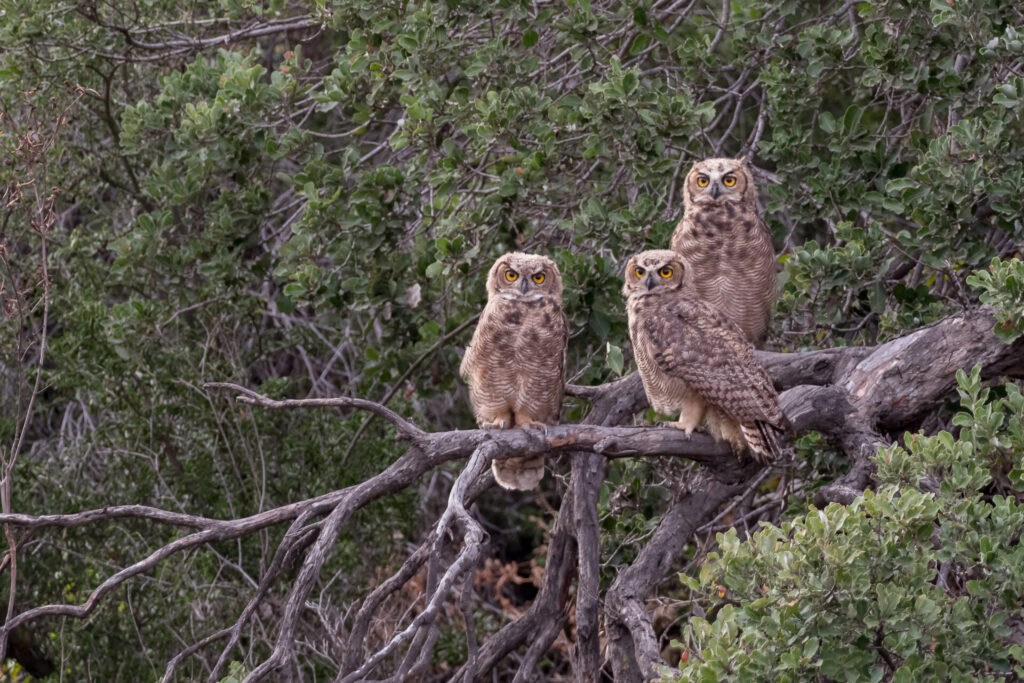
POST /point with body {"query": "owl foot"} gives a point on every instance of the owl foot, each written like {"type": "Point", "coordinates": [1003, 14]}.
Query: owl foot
{"type": "Point", "coordinates": [496, 423]}
{"type": "Point", "coordinates": [687, 428]}
{"type": "Point", "coordinates": [530, 424]}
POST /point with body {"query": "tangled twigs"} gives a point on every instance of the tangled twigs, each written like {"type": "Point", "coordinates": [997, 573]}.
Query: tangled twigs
{"type": "Point", "coordinates": [466, 560]}
{"type": "Point", "coordinates": [31, 158]}
{"type": "Point", "coordinates": [297, 538]}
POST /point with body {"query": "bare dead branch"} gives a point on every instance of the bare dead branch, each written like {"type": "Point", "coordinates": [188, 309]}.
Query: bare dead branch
{"type": "Point", "coordinates": [467, 615]}
{"type": "Point", "coordinates": [105, 514]}
{"type": "Point", "coordinates": [404, 427]}
{"type": "Point", "coordinates": [634, 651]}
{"type": "Point", "coordinates": [466, 559]}
{"type": "Point", "coordinates": [357, 635]}
{"type": "Point", "coordinates": [294, 540]}
{"type": "Point", "coordinates": [253, 30]}
{"type": "Point", "coordinates": [588, 473]}
{"type": "Point", "coordinates": [548, 606]}
{"type": "Point", "coordinates": [541, 642]}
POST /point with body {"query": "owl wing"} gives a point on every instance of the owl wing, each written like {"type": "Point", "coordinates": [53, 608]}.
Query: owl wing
{"type": "Point", "coordinates": [469, 358]}
{"type": "Point", "coordinates": [562, 328]}
{"type": "Point", "coordinates": [564, 322]}
{"type": "Point", "coordinates": [710, 353]}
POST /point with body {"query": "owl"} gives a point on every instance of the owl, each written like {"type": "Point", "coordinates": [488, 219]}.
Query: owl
{"type": "Point", "coordinates": [726, 245]}
{"type": "Point", "coordinates": [697, 363]}
{"type": "Point", "coordinates": [515, 363]}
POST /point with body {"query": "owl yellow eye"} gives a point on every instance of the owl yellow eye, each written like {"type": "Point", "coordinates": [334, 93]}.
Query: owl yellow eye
{"type": "Point", "coordinates": [511, 275]}
{"type": "Point", "coordinates": [665, 272]}
{"type": "Point", "coordinates": [702, 181]}
{"type": "Point", "coordinates": [538, 278]}
{"type": "Point", "coordinates": [640, 272]}
{"type": "Point", "coordinates": [729, 180]}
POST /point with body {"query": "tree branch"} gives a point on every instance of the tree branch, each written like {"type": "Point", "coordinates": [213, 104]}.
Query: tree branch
{"type": "Point", "coordinates": [405, 428]}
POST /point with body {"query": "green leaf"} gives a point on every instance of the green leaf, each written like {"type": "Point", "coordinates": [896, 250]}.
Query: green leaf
{"type": "Point", "coordinates": [827, 122]}
{"type": "Point", "coordinates": [639, 44]}
{"type": "Point", "coordinates": [285, 304]}
{"type": "Point", "coordinates": [614, 358]}
{"type": "Point", "coordinates": [629, 82]}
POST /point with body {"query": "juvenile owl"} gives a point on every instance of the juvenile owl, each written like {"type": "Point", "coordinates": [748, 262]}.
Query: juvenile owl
{"type": "Point", "coordinates": [726, 245]}
{"type": "Point", "coordinates": [696, 362]}
{"type": "Point", "coordinates": [515, 363]}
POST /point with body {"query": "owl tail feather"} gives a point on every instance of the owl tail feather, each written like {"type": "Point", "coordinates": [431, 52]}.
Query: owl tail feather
{"type": "Point", "coordinates": [519, 474]}
{"type": "Point", "coordinates": [766, 441]}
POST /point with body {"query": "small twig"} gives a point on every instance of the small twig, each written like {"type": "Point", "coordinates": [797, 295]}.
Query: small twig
{"type": "Point", "coordinates": [404, 427]}
{"type": "Point", "coordinates": [138, 631]}
{"type": "Point", "coordinates": [723, 22]}
{"type": "Point", "coordinates": [737, 500]}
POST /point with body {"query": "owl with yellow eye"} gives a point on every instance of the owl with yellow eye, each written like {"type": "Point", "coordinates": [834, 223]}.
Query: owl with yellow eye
{"type": "Point", "coordinates": [515, 363]}
{"type": "Point", "coordinates": [726, 245]}
{"type": "Point", "coordinates": [696, 363]}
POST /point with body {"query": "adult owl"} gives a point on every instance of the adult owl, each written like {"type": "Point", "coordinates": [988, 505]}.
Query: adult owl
{"type": "Point", "coordinates": [726, 245]}
{"type": "Point", "coordinates": [515, 363]}
{"type": "Point", "coordinates": [697, 363]}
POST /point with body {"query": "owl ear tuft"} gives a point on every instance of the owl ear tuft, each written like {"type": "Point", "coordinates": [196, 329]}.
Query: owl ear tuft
{"type": "Point", "coordinates": [743, 160]}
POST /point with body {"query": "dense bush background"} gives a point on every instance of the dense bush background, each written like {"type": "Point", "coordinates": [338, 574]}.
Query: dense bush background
{"type": "Point", "coordinates": [304, 198]}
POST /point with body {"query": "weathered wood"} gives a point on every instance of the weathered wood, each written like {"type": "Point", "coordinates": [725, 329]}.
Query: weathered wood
{"type": "Point", "coordinates": [588, 473]}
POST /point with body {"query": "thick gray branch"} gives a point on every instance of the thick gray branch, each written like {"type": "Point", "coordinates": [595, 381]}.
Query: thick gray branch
{"type": "Point", "coordinates": [633, 644]}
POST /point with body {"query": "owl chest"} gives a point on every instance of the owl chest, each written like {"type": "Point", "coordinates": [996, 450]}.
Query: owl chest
{"type": "Point", "coordinates": [524, 340]}
{"type": "Point", "coordinates": [735, 275]}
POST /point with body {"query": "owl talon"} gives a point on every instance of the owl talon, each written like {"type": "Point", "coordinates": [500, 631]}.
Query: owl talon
{"type": "Point", "coordinates": [688, 429]}
{"type": "Point", "coordinates": [543, 428]}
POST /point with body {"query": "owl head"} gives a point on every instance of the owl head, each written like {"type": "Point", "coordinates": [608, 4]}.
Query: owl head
{"type": "Point", "coordinates": [524, 277]}
{"type": "Point", "coordinates": [717, 181]}
{"type": "Point", "coordinates": [657, 271]}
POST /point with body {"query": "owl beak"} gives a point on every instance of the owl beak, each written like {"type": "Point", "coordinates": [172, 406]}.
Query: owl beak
{"type": "Point", "coordinates": [715, 191]}
{"type": "Point", "coordinates": [526, 283]}
{"type": "Point", "coordinates": [649, 282]}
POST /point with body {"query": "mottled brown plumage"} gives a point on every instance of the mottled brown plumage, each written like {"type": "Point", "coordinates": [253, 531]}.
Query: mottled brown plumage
{"type": "Point", "coordinates": [515, 364]}
{"type": "Point", "coordinates": [726, 245]}
{"type": "Point", "coordinates": [696, 362]}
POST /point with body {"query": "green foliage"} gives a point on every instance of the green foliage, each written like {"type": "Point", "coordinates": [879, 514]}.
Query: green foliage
{"type": "Point", "coordinates": [1002, 288]}
{"type": "Point", "coordinates": [236, 673]}
{"type": "Point", "coordinates": [913, 582]}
